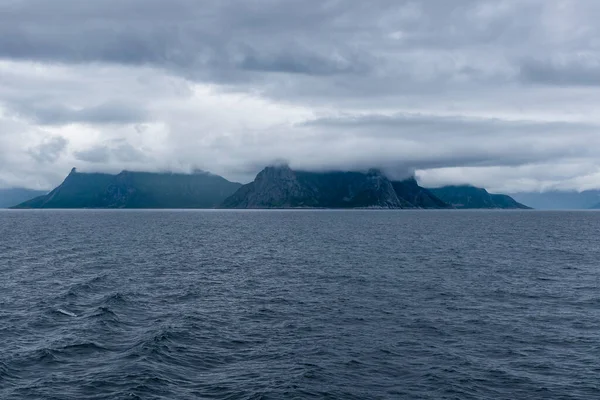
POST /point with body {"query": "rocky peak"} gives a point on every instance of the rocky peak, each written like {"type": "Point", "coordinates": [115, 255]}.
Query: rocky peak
{"type": "Point", "coordinates": [276, 172]}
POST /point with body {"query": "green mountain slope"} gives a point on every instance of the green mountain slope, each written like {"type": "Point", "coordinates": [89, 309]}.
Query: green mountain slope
{"type": "Point", "coordinates": [466, 196]}
{"type": "Point", "coordinates": [417, 196]}
{"type": "Point", "coordinates": [136, 190]}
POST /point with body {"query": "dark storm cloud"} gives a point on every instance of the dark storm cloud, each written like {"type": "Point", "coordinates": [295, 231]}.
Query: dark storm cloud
{"type": "Point", "coordinates": [178, 34]}
{"type": "Point", "coordinates": [233, 41]}
{"type": "Point", "coordinates": [207, 39]}
{"type": "Point", "coordinates": [386, 45]}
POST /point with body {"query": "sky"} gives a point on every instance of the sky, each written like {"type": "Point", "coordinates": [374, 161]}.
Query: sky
{"type": "Point", "coordinates": [501, 94]}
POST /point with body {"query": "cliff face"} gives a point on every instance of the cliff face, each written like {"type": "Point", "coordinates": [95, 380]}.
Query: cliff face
{"type": "Point", "coordinates": [351, 189]}
{"type": "Point", "coordinates": [281, 187]}
{"type": "Point", "coordinates": [273, 187]}
{"type": "Point", "coordinates": [418, 196]}
{"type": "Point", "coordinates": [136, 190]}
{"type": "Point", "coordinates": [473, 197]}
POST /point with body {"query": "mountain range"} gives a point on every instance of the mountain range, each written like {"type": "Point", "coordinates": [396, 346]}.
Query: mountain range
{"type": "Point", "coordinates": [273, 187]}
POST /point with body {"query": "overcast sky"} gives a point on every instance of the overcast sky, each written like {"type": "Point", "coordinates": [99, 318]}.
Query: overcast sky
{"type": "Point", "coordinates": [500, 94]}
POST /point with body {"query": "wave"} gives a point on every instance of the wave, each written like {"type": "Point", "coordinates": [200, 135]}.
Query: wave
{"type": "Point", "coordinates": [44, 356]}
{"type": "Point", "coordinates": [81, 349]}
{"type": "Point", "coordinates": [65, 312]}
{"type": "Point", "coordinates": [105, 314]}
{"type": "Point", "coordinates": [116, 298]}
{"type": "Point", "coordinates": [84, 287]}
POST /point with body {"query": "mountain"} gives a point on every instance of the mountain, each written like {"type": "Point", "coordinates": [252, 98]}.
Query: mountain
{"type": "Point", "coordinates": [417, 196]}
{"type": "Point", "coordinates": [136, 190]}
{"type": "Point", "coordinates": [556, 200]}
{"type": "Point", "coordinates": [281, 187]}
{"type": "Point", "coordinates": [473, 197]}
{"type": "Point", "coordinates": [10, 197]}
{"type": "Point", "coordinates": [273, 187]}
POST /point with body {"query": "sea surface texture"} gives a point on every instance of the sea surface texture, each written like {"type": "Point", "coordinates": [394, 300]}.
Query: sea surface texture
{"type": "Point", "coordinates": [299, 305]}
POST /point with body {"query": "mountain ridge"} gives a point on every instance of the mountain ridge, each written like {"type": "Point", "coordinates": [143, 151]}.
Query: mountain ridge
{"type": "Point", "coordinates": [471, 197]}
{"type": "Point", "coordinates": [273, 187]}
{"type": "Point", "coordinates": [133, 189]}
{"type": "Point", "coordinates": [281, 187]}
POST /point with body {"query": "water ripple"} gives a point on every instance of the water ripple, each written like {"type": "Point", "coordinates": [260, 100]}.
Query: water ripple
{"type": "Point", "coordinates": [299, 305]}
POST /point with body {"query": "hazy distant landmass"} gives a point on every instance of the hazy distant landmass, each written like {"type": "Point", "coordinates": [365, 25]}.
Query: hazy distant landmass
{"type": "Point", "coordinates": [10, 197]}
{"type": "Point", "coordinates": [136, 190]}
{"type": "Point", "coordinates": [471, 197]}
{"type": "Point", "coordinates": [273, 187]}
{"type": "Point", "coordinates": [557, 200]}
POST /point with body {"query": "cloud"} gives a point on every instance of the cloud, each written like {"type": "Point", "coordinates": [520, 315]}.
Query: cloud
{"type": "Point", "coordinates": [118, 150]}
{"type": "Point", "coordinates": [303, 63]}
{"type": "Point", "coordinates": [96, 154]}
{"type": "Point", "coordinates": [49, 150]}
{"type": "Point", "coordinates": [578, 72]}
{"type": "Point", "coordinates": [501, 93]}
{"type": "Point", "coordinates": [58, 114]}
{"type": "Point", "coordinates": [538, 177]}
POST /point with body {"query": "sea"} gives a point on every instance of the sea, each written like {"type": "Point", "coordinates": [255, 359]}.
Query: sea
{"type": "Point", "coordinates": [299, 304]}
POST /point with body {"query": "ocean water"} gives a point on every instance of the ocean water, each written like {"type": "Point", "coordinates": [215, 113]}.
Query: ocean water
{"type": "Point", "coordinates": [299, 305]}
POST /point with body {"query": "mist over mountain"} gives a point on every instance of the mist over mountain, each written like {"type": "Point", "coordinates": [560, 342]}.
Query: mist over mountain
{"type": "Point", "coordinates": [560, 200]}
{"type": "Point", "coordinates": [12, 196]}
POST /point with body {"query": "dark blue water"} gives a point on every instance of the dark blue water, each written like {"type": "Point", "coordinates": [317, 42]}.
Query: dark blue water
{"type": "Point", "coordinates": [299, 304]}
